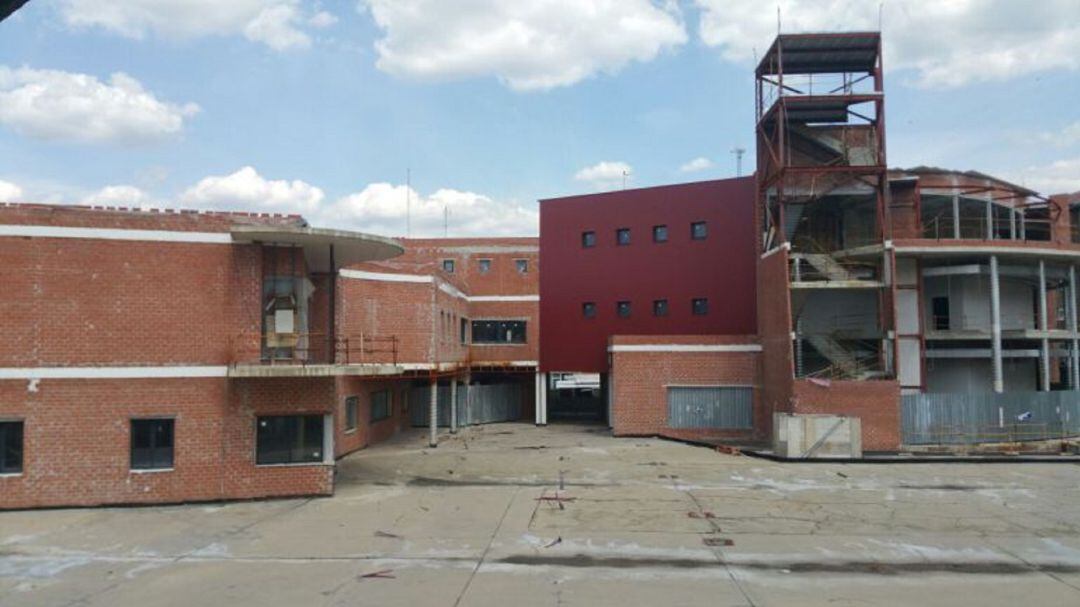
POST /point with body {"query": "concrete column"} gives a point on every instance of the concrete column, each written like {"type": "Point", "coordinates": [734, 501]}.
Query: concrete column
{"type": "Point", "coordinates": [989, 220]}
{"type": "Point", "coordinates": [536, 398]}
{"type": "Point", "coordinates": [956, 216]}
{"type": "Point", "coordinates": [453, 405]}
{"type": "Point", "coordinates": [1074, 353]}
{"type": "Point", "coordinates": [543, 393]}
{"type": "Point", "coordinates": [1044, 354]}
{"type": "Point", "coordinates": [541, 399]}
{"type": "Point", "coordinates": [995, 325]}
{"type": "Point", "coordinates": [1012, 224]}
{"type": "Point", "coordinates": [468, 397]}
{"type": "Point", "coordinates": [433, 414]}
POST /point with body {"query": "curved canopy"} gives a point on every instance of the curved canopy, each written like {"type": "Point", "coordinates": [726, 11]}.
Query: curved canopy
{"type": "Point", "coordinates": [348, 247]}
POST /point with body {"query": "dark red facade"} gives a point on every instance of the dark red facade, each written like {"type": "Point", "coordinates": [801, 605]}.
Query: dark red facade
{"type": "Point", "coordinates": [719, 267]}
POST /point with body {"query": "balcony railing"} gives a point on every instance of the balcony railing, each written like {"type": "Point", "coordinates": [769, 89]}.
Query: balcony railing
{"type": "Point", "coordinates": [943, 227]}
{"type": "Point", "coordinates": [313, 349]}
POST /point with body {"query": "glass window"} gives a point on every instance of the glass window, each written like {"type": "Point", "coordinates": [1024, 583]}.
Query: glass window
{"type": "Point", "coordinates": [588, 239]}
{"type": "Point", "coordinates": [485, 266]}
{"type": "Point", "coordinates": [659, 307]}
{"type": "Point", "coordinates": [699, 230]}
{"type": "Point", "coordinates": [464, 330]}
{"type": "Point", "coordinates": [151, 444]}
{"type": "Point", "coordinates": [659, 233]}
{"type": "Point", "coordinates": [289, 439]}
{"type": "Point", "coordinates": [588, 309]}
{"type": "Point", "coordinates": [352, 412]}
{"type": "Point", "coordinates": [700, 306]}
{"type": "Point", "coordinates": [498, 331]}
{"type": "Point", "coordinates": [522, 265]}
{"type": "Point", "coordinates": [381, 407]}
{"type": "Point", "coordinates": [622, 308]}
{"type": "Point", "coordinates": [11, 447]}
{"type": "Point", "coordinates": [448, 266]}
{"type": "Point", "coordinates": [622, 236]}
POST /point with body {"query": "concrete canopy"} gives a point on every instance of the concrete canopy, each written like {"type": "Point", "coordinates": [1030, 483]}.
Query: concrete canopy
{"type": "Point", "coordinates": [348, 247]}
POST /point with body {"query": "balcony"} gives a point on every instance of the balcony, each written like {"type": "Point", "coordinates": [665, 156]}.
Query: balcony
{"type": "Point", "coordinates": [312, 355]}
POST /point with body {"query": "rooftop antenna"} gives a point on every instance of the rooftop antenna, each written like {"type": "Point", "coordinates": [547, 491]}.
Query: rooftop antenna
{"type": "Point", "coordinates": [408, 203]}
{"type": "Point", "coordinates": [625, 174]}
{"type": "Point", "coordinates": [738, 151]}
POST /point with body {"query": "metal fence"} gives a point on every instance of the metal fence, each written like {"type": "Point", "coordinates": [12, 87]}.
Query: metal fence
{"type": "Point", "coordinates": [490, 403]}
{"type": "Point", "coordinates": [930, 418]}
{"type": "Point", "coordinates": [727, 407]}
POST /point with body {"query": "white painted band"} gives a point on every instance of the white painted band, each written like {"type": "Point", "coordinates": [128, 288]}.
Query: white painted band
{"type": "Point", "coordinates": [386, 276]}
{"type": "Point", "coordinates": [37, 231]}
{"type": "Point", "coordinates": [445, 287]}
{"type": "Point", "coordinates": [110, 372]}
{"type": "Point", "coordinates": [685, 348]}
{"type": "Point", "coordinates": [486, 298]}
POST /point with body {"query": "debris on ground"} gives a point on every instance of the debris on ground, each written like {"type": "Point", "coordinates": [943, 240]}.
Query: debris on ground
{"type": "Point", "coordinates": [718, 541]}
{"type": "Point", "coordinates": [385, 574]}
{"type": "Point", "coordinates": [702, 514]}
{"type": "Point", "coordinates": [554, 542]}
{"type": "Point", "coordinates": [381, 533]}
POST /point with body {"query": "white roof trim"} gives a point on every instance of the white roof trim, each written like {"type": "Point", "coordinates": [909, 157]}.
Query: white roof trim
{"type": "Point", "coordinates": [444, 286]}
{"type": "Point", "coordinates": [111, 372]}
{"type": "Point", "coordinates": [483, 298]}
{"type": "Point", "coordinates": [39, 231]}
{"type": "Point", "coordinates": [685, 348]}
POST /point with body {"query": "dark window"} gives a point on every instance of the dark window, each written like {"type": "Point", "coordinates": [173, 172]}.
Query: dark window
{"type": "Point", "coordinates": [622, 308]}
{"type": "Point", "coordinates": [588, 239]}
{"type": "Point", "coordinates": [699, 230]}
{"type": "Point", "coordinates": [659, 233]}
{"type": "Point", "coordinates": [448, 266]}
{"type": "Point", "coordinates": [622, 236]}
{"type": "Point", "coordinates": [11, 447]}
{"type": "Point", "coordinates": [380, 405]}
{"type": "Point", "coordinates": [151, 444]}
{"type": "Point", "coordinates": [659, 307]}
{"type": "Point", "coordinates": [464, 330]}
{"type": "Point", "coordinates": [588, 309]}
{"type": "Point", "coordinates": [289, 439]}
{"type": "Point", "coordinates": [352, 412]}
{"type": "Point", "coordinates": [941, 313]}
{"type": "Point", "coordinates": [522, 265]}
{"type": "Point", "coordinates": [498, 331]}
{"type": "Point", "coordinates": [700, 306]}
{"type": "Point", "coordinates": [485, 266]}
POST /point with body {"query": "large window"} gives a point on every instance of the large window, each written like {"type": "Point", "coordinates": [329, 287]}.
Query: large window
{"type": "Point", "coordinates": [498, 331]}
{"type": "Point", "coordinates": [11, 447]}
{"type": "Point", "coordinates": [289, 439]}
{"type": "Point", "coordinates": [380, 405]}
{"type": "Point", "coordinates": [152, 444]}
{"type": "Point", "coordinates": [352, 413]}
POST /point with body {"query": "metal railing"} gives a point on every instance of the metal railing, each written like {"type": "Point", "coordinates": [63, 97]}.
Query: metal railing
{"type": "Point", "coordinates": [943, 227]}
{"type": "Point", "coordinates": [313, 348]}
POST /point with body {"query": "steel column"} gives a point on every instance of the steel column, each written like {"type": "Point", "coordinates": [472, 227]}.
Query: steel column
{"type": "Point", "coordinates": [1074, 354]}
{"type": "Point", "coordinates": [453, 405]}
{"type": "Point", "coordinates": [1044, 357]}
{"type": "Point", "coordinates": [995, 324]}
{"type": "Point", "coordinates": [433, 414]}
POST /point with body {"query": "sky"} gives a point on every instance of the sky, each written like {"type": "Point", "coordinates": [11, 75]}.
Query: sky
{"type": "Point", "coordinates": [329, 108]}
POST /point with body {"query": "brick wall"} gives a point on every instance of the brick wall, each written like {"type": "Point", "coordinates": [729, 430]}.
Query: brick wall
{"type": "Point", "coordinates": [641, 378]}
{"type": "Point", "coordinates": [875, 403]}
{"type": "Point", "coordinates": [368, 432]}
{"type": "Point", "coordinates": [774, 329]}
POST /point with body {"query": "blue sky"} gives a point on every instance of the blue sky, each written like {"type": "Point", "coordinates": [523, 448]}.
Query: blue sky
{"type": "Point", "coordinates": [320, 107]}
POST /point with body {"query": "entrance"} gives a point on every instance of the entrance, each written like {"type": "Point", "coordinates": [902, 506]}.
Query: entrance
{"type": "Point", "coordinates": [576, 397]}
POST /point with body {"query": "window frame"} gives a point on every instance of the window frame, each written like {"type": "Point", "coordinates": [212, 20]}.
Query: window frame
{"type": "Point", "coordinates": [660, 308]}
{"type": "Point", "coordinates": [619, 308]}
{"type": "Point", "coordinates": [6, 434]}
{"type": "Point", "coordinates": [695, 311]}
{"type": "Point", "coordinates": [619, 232]}
{"type": "Point", "coordinates": [376, 416]}
{"type": "Point", "coordinates": [352, 413]}
{"type": "Point", "coordinates": [588, 239]}
{"type": "Point", "coordinates": [483, 265]}
{"type": "Point", "coordinates": [303, 418]}
{"type": "Point", "coordinates": [521, 264]}
{"type": "Point", "coordinates": [693, 233]}
{"type": "Point", "coordinates": [449, 266]}
{"type": "Point", "coordinates": [154, 464]}
{"type": "Point", "coordinates": [588, 310]}
{"type": "Point", "coordinates": [656, 231]}
{"type": "Point", "coordinates": [500, 329]}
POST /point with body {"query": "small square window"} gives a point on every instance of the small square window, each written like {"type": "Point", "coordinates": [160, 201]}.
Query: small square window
{"type": "Point", "coordinates": [659, 233]}
{"type": "Point", "coordinates": [448, 266]}
{"type": "Point", "coordinates": [659, 307]}
{"type": "Point", "coordinates": [622, 236]}
{"type": "Point", "coordinates": [622, 308]}
{"type": "Point", "coordinates": [151, 444]}
{"type": "Point", "coordinates": [700, 306]}
{"type": "Point", "coordinates": [588, 309]}
{"type": "Point", "coordinates": [352, 412]}
{"type": "Point", "coordinates": [522, 266]}
{"type": "Point", "coordinates": [699, 230]}
{"type": "Point", "coordinates": [588, 239]}
{"type": "Point", "coordinates": [485, 266]}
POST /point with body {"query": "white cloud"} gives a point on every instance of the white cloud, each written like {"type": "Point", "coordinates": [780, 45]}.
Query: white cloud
{"type": "Point", "coordinates": [119, 195]}
{"type": "Point", "coordinates": [606, 174]}
{"type": "Point", "coordinates": [381, 208]}
{"type": "Point", "coordinates": [275, 23]}
{"type": "Point", "coordinates": [1059, 177]}
{"type": "Point", "coordinates": [9, 192]}
{"type": "Point", "coordinates": [57, 105]}
{"type": "Point", "coordinates": [322, 19]}
{"type": "Point", "coordinates": [247, 190]}
{"type": "Point", "coordinates": [700, 163]}
{"type": "Point", "coordinates": [535, 45]}
{"type": "Point", "coordinates": [1062, 138]}
{"type": "Point", "coordinates": [946, 43]}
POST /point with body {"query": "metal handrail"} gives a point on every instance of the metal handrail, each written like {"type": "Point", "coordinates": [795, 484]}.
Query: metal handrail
{"type": "Point", "coordinates": [312, 348]}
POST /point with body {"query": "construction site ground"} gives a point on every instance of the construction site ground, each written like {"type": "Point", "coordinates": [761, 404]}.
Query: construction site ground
{"type": "Point", "coordinates": [482, 520]}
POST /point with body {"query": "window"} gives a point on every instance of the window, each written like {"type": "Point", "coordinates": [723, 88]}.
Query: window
{"type": "Point", "coordinates": [464, 330]}
{"type": "Point", "coordinates": [588, 239]}
{"type": "Point", "coordinates": [485, 266]}
{"type": "Point", "coordinates": [941, 313]}
{"type": "Point", "coordinates": [352, 413]}
{"type": "Point", "coordinates": [588, 309]}
{"type": "Point", "coordinates": [622, 308]}
{"type": "Point", "coordinates": [11, 447]}
{"type": "Point", "coordinates": [659, 307]}
{"type": "Point", "coordinates": [289, 439]}
{"type": "Point", "coordinates": [622, 236]}
{"type": "Point", "coordinates": [151, 444]}
{"type": "Point", "coordinates": [659, 233]}
{"type": "Point", "coordinates": [699, 230]}
{"type": "Point", "coordinates": [700, 306]}
{"type": "Point", "coordinates": [498, 331]}
{"type": "Point", "coordinates": [522, 266]}
{"type": "Point", "coordinates": [380, 405]}
{"type": "Point", "coordinates": [448, 266]}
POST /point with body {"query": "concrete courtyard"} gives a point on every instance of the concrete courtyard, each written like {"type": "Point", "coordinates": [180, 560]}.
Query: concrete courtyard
{"type": "Point", "coordinates": [481, 521]}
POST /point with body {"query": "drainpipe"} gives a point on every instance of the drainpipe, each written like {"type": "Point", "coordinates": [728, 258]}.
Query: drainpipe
{"type": "Point", "coordinates": [453, 405]}
{"type": "Point", "coordinates": [433, 413]}
{"type": "Point", "coordinates": [1044, 356]}
{"type": "Point", "coordinates": [995, 324]}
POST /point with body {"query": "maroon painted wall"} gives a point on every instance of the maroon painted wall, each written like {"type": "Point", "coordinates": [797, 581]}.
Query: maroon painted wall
{"type": "Point", "coordinates": [720, 267]}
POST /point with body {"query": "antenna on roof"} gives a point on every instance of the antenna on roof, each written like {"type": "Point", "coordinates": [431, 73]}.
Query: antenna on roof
{"type": "Point", "coordinates": [738, 151]}
{"type": "Point", "coordinates": [408, 203]}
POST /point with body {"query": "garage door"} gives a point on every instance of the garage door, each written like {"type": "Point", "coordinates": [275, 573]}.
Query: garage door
{"type": "Point", "coordinates": [724, 407]}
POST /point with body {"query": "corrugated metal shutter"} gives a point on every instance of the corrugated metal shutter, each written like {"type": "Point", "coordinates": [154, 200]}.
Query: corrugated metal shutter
{"type": "Point", "coordinates": [722, 407]}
